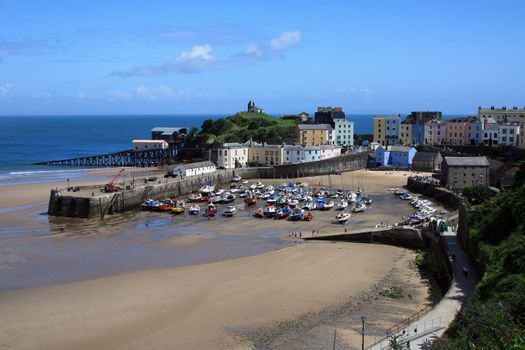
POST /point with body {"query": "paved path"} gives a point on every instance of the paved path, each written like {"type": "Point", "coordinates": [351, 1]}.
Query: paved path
{"type": "Point", "coordinates": [439, 318]}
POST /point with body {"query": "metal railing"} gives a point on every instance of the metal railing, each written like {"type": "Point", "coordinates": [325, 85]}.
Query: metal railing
{"type": "Point", "coordinates": [408, 334]}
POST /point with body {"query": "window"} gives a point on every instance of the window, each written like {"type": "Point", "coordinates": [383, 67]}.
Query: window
{"type": "Point", "coordinates": [504, 131]}
{"type": "Point", "coordinates": [511, 131]}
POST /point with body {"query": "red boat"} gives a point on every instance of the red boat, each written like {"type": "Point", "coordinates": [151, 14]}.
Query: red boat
{"type": "Point", "coordinates": [204, 199]}
{"type": "Point", "coordinates": [211, 210]}
{"type": "Point", "coordinates": [308, 216]}
{"type": "Point", "coordinates": [250, 201]}
{"type": "Point", "coordinates": [165, 205]}
{"type": "Point", "coordinates": [259, 213]}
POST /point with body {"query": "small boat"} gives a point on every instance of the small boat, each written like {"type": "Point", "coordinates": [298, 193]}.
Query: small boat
{"type": "Point", "coordinates": [359, 208]}
{"type": "Point", "coordinates": [211, 210]}
{"type": "Point", "coordinates": [230, 210]}
{"type": "Point", "coordinates": [205, 190]}
{"type": "Point", "coordinates": [308, 216]}
{"type": "Point", "coordinates": [406, 196]}
{"type": "Point", "coordinates": [342, 218]}
{"type": "Point", "coordinates": [179, 207]}
{"type": "Point", "coordinates": [293, 203]}
{"type": "Point", "coordinates": [259, 213]}
{"type": "Point", "coordinates": [327, 206]}
{"type": "Point", "coordinates": [283, 212]}
{"type": "Point", "coordinates": [227, 198]}
{"type": "Point", "coordinates": [165, 205]}
{"type": "Point", "coordinates": [259, 185]}
{"type": "Point", "coordinates": [237, 178]}
{"type": "Point", "coordinates": [194, 197]}
{"type": "Point", "coordinates": [216, 199]}
{"type": "Point", "coordinates": [270, 211]}
{"type": "Point", "coordinates": [342, 205]}
{"type": "Point", "coordinates": [393, 189]}
{"type": "Point", "coordinates": [296, 215]}
{"type": "Point", "coordinates": [244, 182]}
{"type": "Point", "coordinates": [399, 193]}
{"type": "Point", "coordinates": [309, 206]}
{"type": "Point", "coordinates": [250, 200]}
{"type": "Point", "coordinates": [204, 199]}
{"type": "Point", "coordinates": [194, 210]}
{"type": "Point", "coordinates": [149, 204]}
{"type": "Point", "coordinates": [271, 199]}
{"type": "Point", "coordinates": [367, 200]}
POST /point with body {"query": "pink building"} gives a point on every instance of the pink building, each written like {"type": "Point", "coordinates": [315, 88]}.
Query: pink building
{"type": "Point", "coordinates": [435, 132]}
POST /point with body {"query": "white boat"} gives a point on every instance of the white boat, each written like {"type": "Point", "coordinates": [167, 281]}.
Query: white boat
{"type": "Point", "coordinates": [309, 206]}
{"type": "Point", "coordinates": [342, 218]}
{"type": "Point", "coordinates": [253, 186]}
{"type": "Point", "coordinates": [359, 208]}
{"type": "Point", "coordinates": [194, 197]}
{"type": "Point", "coordinates": [293, 203]}
{"type": "Point", "coordinates": [342, 205]}
{"type": "Point", "coordinates": [244, 182]}
{"type": "Point", "coordinates": [194, 210]}
{"type": "Point", "coordinates": [216, 199]}
{"type": "Point", "coordinates": [328, 206]}
{"type": "Point", "coordinates": [230, 210]}
{"type": "Point", "coordinates": [260, 185]}
{"type": "Point", "coordinates": [237, 178]}
{"type": "Point", "coordinates": [207, 189]}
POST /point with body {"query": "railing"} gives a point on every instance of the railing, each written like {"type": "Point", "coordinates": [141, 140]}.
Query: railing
{"type": "Point", "coordinates": [408, 334]}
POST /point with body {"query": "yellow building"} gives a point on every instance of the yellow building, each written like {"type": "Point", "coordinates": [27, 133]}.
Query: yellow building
{"type": "Point", "coordinates": [380, 130]}
{"type": "Point", "coordinates": [265, 154]}
{"type": "Point", "coordinates": [315, 134]}
{"type": "Point", "coordinates": [405, 134]}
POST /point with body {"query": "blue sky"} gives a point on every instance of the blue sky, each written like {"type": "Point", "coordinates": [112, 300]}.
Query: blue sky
{"type": "Point", "coordinates": [170, 57]}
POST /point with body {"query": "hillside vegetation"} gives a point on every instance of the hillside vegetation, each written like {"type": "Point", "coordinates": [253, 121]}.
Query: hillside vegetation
{"type": "Point", "coordinates": [241, 127]}
{"type": "Point", "coordinates": [495, 315]}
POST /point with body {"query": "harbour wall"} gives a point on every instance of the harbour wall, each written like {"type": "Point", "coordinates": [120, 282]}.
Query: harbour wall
{"type": "Point", "coordinates": [89, 202]}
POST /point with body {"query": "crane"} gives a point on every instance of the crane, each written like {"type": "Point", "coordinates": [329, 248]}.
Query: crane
{"type": "Point", "coordinates": [110, 186]}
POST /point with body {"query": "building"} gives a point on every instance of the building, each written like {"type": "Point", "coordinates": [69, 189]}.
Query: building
{"type": "Point", "coordinates": [312, 153]}
{"type": "Point", "coordinates": [405, 134]}
{"type": "Point", "coordinates": [252, 108]}
{"type": "Point", "coordinates": [149, 145]}
{"type": "Point", "coordinates": [343, 132]}
{"type": "Point", "coordinates": [232, 155]}
{"type": "Point", "coordinates": [508, 134]}
{"type": "Point", "coordinates": [314, 134]}
{"type": "Point", "coordinates": [473, 131]}
{"type": "Point", "coordinates": [395, 156]}
{"type": "Point", "coordinates": [328, 115]}
{"type": "Point", "coordinates": [418, 120]}
{"type": "Point", "coordinates": [386, 129]}
{"type": "Point", "coordinates": [458, 172]}
{"type": "Point", "coordinates": [491, 134]}
{"type": "Point", "coordinates": [330, 151]}
{"type": "Point", "coordinates": [293, 154]}
{"type": "Point", "coordinates": [264, 154]}
{"type": "Point", "coordinates": [435, 132]}
{"type": "Point", "coordinates": [174, 136]}
{"type": "Point", "coordinates": [427, 161]}
{"type": "Point", "coordinates": [304, 116]}
{"type": "Point", "coordinates": [502, 114]}
{"type": "Point", "coordinates": [192, 169]}
{"type": "Point", "coordinates": [456, 131]}
{"type": "Point", "coordinates": [522, 134]}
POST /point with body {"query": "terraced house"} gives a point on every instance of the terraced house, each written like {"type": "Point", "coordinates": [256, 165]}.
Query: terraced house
{"type": "Point", "coordinates": [314, 134]}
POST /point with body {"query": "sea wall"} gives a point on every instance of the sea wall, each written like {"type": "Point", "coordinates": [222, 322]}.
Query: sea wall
{"type": "Point", "coordinates": [89, 202]}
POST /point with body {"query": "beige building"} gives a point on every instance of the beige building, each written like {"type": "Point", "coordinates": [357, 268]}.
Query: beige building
{"type": "Point", "coordinates": [455, 130]}
{"type": "Point", "coordinates": [501, 114]}
{"type": "Point", "coordinates": [405, 134]}
{"type": "Point", "coordinates": [314, 134]}
{"type": "Point", "coordinates": [265, 154]}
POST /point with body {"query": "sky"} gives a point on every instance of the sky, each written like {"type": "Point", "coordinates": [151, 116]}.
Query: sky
{"type": "Point", "coordinates": [73, 57]}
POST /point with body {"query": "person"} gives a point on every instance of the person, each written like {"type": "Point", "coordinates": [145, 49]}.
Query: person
{"type": "Point", "coordinates": [300, 234]}
{"type": "Point", "coordinates": [465, 271]}
{"type": "Point", "coordinates": [454, 258]}
{"type": "Point", "coordinates": [346, 229]}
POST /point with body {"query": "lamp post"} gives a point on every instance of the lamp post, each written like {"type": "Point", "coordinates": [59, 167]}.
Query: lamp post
{"type": "Point", "coordinates": [363, 319]}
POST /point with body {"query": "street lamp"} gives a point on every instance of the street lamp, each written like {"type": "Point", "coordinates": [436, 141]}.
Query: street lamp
{"type": "Point", "coordinates": [363, 319]}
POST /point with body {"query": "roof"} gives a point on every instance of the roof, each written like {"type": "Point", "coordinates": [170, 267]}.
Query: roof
{"type": "Point", "coordinates": [399, 148]}
{"type": "Point", "coordinates": [293, 147]}
{"type": "Point", "coordinates": [148, 141]}
{"type": "Point", "coordinates": [197, 165]}
{"type": "Point", "coordinates": [233, 145]}
{"type": "Point", "coordinates": [167, 130]}
{"type": "Point", "coordinates": [309, 148]}
{"type": "Point", "coordinates": [425, 156]}
{"type": "Point", "coordinates": [467, 161]}
{"type": "Point", "coordinates": [329, 146]}
{"type": "Point", "coordinates": [495, 164]}
{"type": "Point", "coordinates": [314, 127]}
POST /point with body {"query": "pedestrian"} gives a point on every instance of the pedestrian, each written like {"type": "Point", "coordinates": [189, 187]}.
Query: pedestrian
{"type": "Point", "coordinates": [313, 232]}
{"type": "Point", "coordinates": [317, 231]}
{"type": "Point", "coordinates": [454, 258]}
{"type": "Point", "coordinates": [300, 234]}
{"type": "Point", "coordinates": [465, 271]}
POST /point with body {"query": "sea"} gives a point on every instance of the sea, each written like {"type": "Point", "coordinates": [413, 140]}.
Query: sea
{"type": "Point", "coordinates": [25, 140]}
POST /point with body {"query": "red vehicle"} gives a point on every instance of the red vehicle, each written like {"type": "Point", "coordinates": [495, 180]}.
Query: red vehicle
{"type": "Point", "coordinates": [308, 216]}
{"type": "Point", "coordinates": [110, 186]}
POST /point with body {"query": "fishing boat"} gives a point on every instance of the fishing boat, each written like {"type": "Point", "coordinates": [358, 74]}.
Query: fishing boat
{"type": "Point", "coordinates": [211, 210]}
{"type": "Point", "coordinates": [230, 210]}
{"type": "Point", "coordinates": [227, 198]}
{"type": "Point", "coordinates": [271, 199]}
{"type": "Point", "coordinates": [393, 189]}
{"type": "Point", "coordinates": [165, 205]}
{"type": "Point", "coordinates": [281, 201]}
{"type": "Point", "coordinates": [206, 190]}
{"type": "Point", "coordinates": [179, 207]}
{"type": "Point", "coordinates": [342, 218]}
{"type": "Point", "coordinates": [309, 206]}
{"type": "Point", "coordinates": [194, 197]}
{"type": "Point", "coordinates": [259, 185]}
{"type": "Point", "coordinates": [283, 212]}
{"type": "Point", "coordinates": [204, 199]}
{"type": "Point", "coordinates": [194, 210]}
{"type": "Point", "coordinates": [367, 200]}
{"type": "Point", "coordinates": [244, 182]}
{"type": "Point", "coordinates": [359, 208]}
{"type": "Point", "coordinates": [216, 199]}
{"type": "Point", "coordinates": [406, 196]}
{"type": "Point", "coordinates": [293, 203]}
{"type": "Point", "coordinates": [149, 204]}
{"type": "Point", "coordinates": [296, 214]}
{"type": "Point", "coordinates": [250, 200]}
{"type": "Point", "coordinates": [328, 206]}
{"type": "Point", "coordinates": [259, 213]}
{"type": "Point", "coordinates": [237, 178]}
{"type": "Point", "coordinates": [270, 211]}
{"type": "Point", "coordinates": [308, 216]}
{"type": "Point", "coordinates": [342, 205]}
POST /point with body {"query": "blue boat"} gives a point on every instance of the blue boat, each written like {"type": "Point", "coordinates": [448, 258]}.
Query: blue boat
{"type": "Point", "coordinates": [283, 212]}
{"type": "Point", "coordinates": [320, 203]}
{"type": "Point", "coordinates": [150, 204]}
{"type": "Point", "coordinates": [296, 215]}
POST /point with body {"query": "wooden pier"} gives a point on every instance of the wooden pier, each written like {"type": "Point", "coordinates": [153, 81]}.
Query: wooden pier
{"type": "Point", "coordinates": [123, 158]}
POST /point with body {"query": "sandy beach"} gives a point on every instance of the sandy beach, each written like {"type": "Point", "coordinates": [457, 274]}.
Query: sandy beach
{"type": "Point", "coordinates": [151, 280]}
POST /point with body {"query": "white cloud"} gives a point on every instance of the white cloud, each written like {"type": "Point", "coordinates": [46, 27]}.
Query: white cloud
{"type": "Point", "coordinates": [5, 89]}
{"type": "Point", "coordinates": [254, 51]}
{"type": "Point", "coordinates": [197, 52]}
{"type": "Point", "coordinates": [286, 40]}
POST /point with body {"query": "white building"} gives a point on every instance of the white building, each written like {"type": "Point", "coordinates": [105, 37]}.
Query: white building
{"type": "Point", "coordinates": [508, 134]}
{"type": "Point", "coordinates": [148, 145]}
{"type": "Point", "coordinates": [232, 155]}
{"type": "Point", "coordinates": [293, 154]}
{"type": "Point", "coordinates": [312, 153]}
{"type": "Point", "coordinates": [330, 151]}
{"type": "Point", "coordinates": [490, 134]}
{"type": "Point", "coordinates": [343, 134]}
{"type": "Point", "coordinates": [192, 169]}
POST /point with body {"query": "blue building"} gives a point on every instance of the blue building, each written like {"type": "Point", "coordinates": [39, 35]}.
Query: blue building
{"type": "Point", "coordinates": [395, 156]}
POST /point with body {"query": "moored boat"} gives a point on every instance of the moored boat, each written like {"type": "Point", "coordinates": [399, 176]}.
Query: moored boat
{"type": "Point", "coordinates": [179, 207]}
{"type": "Point", "coordinates": [296, 215]}
{"type": "Point", "coordinates": [227, 198]}
{"type": "Point", "coordinates": [342, 205]}
{"type": "Point", "coordinates": [259, 213]}
{"type": "Point", "coordinates": [250, 200]}
{"type": "Point", "coordinates": [149, 204]}
{"type": "Point", "coordinates": [194, 210]}
{"type": "Point", "coordinates": [270, 211]}
{"type": "Point", "coordinates": [283, 212]}
{"type": "Point", "coordinates": [165, 205]}
{"type": "Point", "coordinates": [342, 218]}
{"type": "Point", "coordinates": [308, 216]}
{"type": "Point", "coordinates": [237, 178]}
{"type": "Point", "coordinates": [211, 210]}
{"type": "Point", "coordinates": [230, 210]}
{"type": "Point", "coordinates": [194, 197]}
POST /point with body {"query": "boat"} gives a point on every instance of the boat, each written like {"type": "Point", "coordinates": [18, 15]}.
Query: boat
{"type": "Point", "coordinates": [244, 182]}
{"type": "Point", "coordinates": [230, 210]}
{"type": "Point", "coordinates": [296, 214]}
{"type": "Point", "coordinates": [399, 193]}
{"type": "Point", "coordinates": [250, 200]}
{"type": "Point", "coordinates": [308, 216]}
{"type": "Point", "coordinates": [270, 211]}
{"type": "Point", "coordinates": [406, 196]}
{"type": "Point", "coordinates": [359, 208]}
{"type": "Point", "coordinates": [367, 200]}
{"type": "Point", "coordinates": [205, 190]}
{"type": "Point", "coordinates": [259, 213]}
{"type": "Point", "coordinates": [342, 205]}
{"type": "Point", "coordinates": [216, 199]}
{"type": "Point", "coordinates": [179, 207]}
{"type": "Point", "coordinates": [327, 206]}
{"type": "Point", "coordinates": [227, 198]}
{"type": "Point", "coordinates": [271, 199]}
{"type": "Point", "coordinates": [309, 206]}
{"type": "Point", "coordinates": [165, 205]}
{"type": "Point", "coordinates": [194, 197]}
{"type": "Point", "coordinates": [211, 210]}
{"type": "Point", "coordinates": [259, 185]}
{"type": "Point", "coordinates": [237, 178]}
{"type": "Point", "coordinates": [342, 218]}
{"type": "Point", "coordinates": [194, 210]}
{"type": "Point", "coordinates": [393, 189]}
{"type": "Point", "coordinates": [283, 212]}
{"type": "Point", "coordinates": [293, 203]}
{"type": "Point", "coordinates": [149, 204]}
